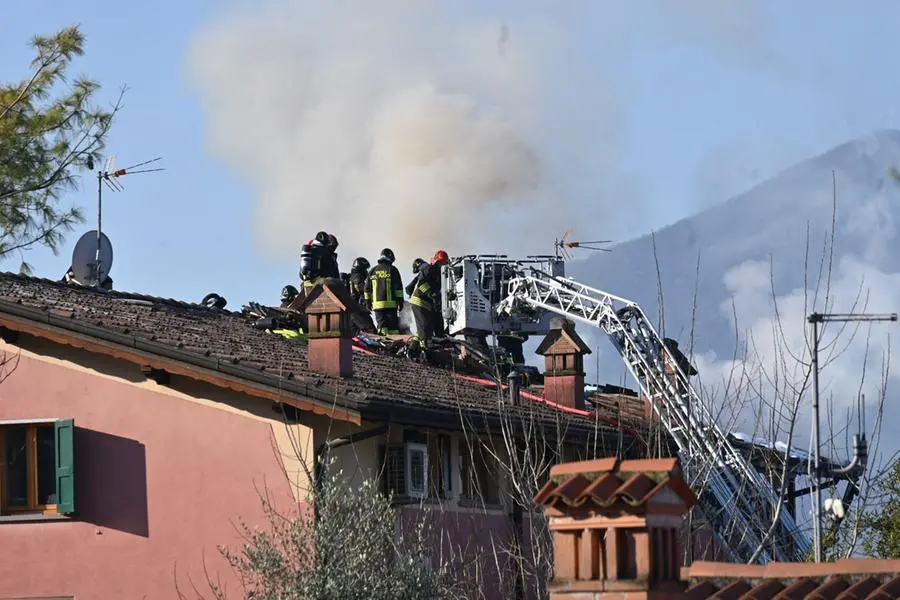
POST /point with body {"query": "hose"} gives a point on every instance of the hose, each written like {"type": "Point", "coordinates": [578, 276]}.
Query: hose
{"type": "Point", "coordinates": [566, 409]}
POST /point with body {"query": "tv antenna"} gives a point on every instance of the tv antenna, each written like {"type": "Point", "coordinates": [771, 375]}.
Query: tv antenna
{"type": "Point", "coordinates": [109, 175]}
{"type": "Point", "coordinates": [562, 246]}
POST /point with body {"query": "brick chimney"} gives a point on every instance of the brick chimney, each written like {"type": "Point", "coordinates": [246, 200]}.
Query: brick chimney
{"type": "Point", "coordinates": [615, 527]}
{"type": "Point", "coordinates": [328, 307]}
{"type": "Point", "coordinates": [563, 351]}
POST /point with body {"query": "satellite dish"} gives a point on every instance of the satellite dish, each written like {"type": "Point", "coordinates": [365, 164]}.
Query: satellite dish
{"type": "Point", "coordinates": [84, 258]}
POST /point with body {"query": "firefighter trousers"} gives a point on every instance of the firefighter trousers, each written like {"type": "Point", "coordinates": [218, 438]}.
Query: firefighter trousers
{"type": "Point", "coordinates": [424, 322]}
{"type": "Point", "coordinates": [363, 322]}
{"type": "Point", "coordinates": [387, 320]}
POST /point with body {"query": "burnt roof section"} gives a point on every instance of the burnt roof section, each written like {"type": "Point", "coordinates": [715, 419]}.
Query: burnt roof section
{"type": "Point", "coordinates": [611, 485]}
{"type": "Point", "coordinates": [854, 578]}
{"type": "Point", "coordinates": [382, 388]}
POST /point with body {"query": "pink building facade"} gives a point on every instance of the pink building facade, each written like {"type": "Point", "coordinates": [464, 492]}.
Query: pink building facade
{"type": "Point", "coordinates": [160, 478]}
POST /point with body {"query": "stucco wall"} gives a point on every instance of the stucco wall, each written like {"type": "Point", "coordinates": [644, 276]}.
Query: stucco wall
{"type": "Point", "coordinates": [161, 478]}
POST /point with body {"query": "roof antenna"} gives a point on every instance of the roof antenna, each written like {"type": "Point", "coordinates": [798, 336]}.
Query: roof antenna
{"type": "Point", "coordinates": [109, 175]}
{"type": "Point", "coordinates": [562, 246]}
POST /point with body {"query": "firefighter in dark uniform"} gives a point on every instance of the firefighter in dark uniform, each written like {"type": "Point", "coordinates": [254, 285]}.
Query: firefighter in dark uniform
{"type": "Point", "coordinates": [318, 261]}
{"type": "Point", "coordinates": [512, 342]}
{"type": "Point", "coordinates": [434, 275]}
{"type": "Point", "coordinates": [421, 297]}
{"type": "Point", "coordinates": [355, 281]}
{"type": "Point", "coordinates": [384, 293]}
{"type": "Point", "coordinates": [288, 294]}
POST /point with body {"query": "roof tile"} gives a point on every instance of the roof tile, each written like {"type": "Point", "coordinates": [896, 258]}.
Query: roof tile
{"type": "Point", "coordinates": [603, 484]}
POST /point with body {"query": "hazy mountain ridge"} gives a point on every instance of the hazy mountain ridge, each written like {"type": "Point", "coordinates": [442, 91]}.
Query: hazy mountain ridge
{"type": "Point", "coordinates": [766, 226]}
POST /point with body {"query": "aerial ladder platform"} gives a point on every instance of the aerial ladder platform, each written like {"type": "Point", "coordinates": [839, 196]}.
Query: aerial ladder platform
{"type": "Point", "coordinates": [735, 499]}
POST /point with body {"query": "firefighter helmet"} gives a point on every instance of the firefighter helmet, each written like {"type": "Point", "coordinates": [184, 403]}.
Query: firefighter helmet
{"type": "Point", "coordinates": [416, 264]}
{"type": "Point", "coordinates": [440, 258]}
{"type": "Point", "coordinates": [361, 264]}
{"type": "Point", "coordinates": [288, 293]}
{"type": "Point", "coordinates": [387, 255]}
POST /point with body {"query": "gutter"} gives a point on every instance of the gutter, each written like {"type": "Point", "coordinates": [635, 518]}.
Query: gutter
{"type": "Point", "coordinates": [48, 322]}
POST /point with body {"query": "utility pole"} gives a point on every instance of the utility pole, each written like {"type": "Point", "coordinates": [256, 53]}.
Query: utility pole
{"type": "Point", "coordinates": [814, 320]}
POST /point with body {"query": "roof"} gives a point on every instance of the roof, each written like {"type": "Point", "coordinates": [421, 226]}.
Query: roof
{"type": "Point", "coordinates": [141, 327]}
{"type": "Point", "coordinates": [857, 579]}
{"type": "Point", "coordinates": [607, 484]}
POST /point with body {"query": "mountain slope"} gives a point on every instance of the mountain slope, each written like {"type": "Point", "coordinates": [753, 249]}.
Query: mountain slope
{"type": "Point", "coordinates": [739, 240]}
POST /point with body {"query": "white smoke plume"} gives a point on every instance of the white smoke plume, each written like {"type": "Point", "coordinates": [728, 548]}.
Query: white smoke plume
{"type": "Point", "coordinates": [484, 126]}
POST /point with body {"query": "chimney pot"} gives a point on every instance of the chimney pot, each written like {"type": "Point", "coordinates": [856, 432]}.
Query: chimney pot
{"type": "Point", "coordinates": [328, 307]}
{"type": "Point", "coordinates": [515, 386]}
{"type": "Point", "coordinates": [563, 351]}
{"type": "Point", "coordinates": [608, 543]}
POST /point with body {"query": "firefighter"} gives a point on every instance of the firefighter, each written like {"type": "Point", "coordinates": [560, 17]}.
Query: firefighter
{"type": "Point", "coordinates": [329, 258]}
{"type": "Point", "coordinates": [439, 259]}
{"type": "Point", "coordinates": [416, 268]}
{"type": "Point", "coordinates": [355, 281]}
{"type": "Point", "coordinates": [318, 261]}
{"type": "Point", "coordinates": [311, 260]}
{"type": "Point", "coordinates": [288, 294]}
{"type": "Point", "coordinates": [384, 293]}
{"type": "Point", "coordinates": [421, 297]}
{"type": "Point", "coordinates": [512, 342]}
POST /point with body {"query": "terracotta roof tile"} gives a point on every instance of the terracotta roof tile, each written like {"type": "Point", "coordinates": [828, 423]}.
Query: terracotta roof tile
{"type": "Point", "coordinates": [844, 579]}
{"type": "Point", "coordinates": [381, 385]}
{"type": "Point", "coordinates": [608, 483]}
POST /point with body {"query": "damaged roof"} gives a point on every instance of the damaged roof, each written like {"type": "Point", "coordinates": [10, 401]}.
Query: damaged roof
{"type": "Point", "coordinates": [224, 343]}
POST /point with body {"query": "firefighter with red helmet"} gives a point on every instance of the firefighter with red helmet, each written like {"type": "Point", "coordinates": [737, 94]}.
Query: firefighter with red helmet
{"type": "Point", "coordinates": [439, 259]}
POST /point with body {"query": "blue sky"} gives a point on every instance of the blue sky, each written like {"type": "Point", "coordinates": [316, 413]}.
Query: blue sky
{"type": "Point", "coordinates": [711, 105]}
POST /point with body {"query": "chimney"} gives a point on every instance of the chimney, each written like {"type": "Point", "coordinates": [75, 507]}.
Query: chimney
{"type": "Point", "coordinates": [563, 351]}
{"type": "Point", "coordinates": [514, 380]}
{"type": "Point", "coordinates": [328, 307]}
{"type": "Point", "coordinates": [615, 527]}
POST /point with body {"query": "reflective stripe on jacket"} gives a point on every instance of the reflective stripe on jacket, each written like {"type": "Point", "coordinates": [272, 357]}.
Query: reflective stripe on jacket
{"type": "Point", "coordinates": [422, 295]}
{"type": "Point", "coordinates": [384, 288]}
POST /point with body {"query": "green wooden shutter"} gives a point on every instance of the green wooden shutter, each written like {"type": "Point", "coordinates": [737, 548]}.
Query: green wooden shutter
{"type": "Point", "coordinates": [65, 466]}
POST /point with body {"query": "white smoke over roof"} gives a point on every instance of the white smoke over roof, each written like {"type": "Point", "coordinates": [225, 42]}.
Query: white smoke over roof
{"type": "Point", "coordinates": [469, 126]}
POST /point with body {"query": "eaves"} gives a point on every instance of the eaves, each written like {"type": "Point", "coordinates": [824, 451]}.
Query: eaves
{"type": "Point", "coordinates": [297, 392]}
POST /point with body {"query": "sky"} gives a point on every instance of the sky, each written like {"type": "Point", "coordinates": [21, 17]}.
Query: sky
{"type": "Point", "coordinates": [473, 126]}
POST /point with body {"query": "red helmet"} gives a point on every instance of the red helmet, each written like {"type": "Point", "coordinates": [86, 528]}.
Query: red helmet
{"type": "Point", "coordinates": [440, 258]}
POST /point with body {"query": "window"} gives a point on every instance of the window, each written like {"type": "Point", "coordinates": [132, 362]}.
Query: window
{"type": "Point", "coordinates": [479, 472]}
{"type": "Point", "coordinates": [37, 470]}
{"type": "Point", "coordinates": [406, 470]}
{"type": "Point", "coordinates": [440, 461]}
{"type": "Point", "coordinates": [416, 470]}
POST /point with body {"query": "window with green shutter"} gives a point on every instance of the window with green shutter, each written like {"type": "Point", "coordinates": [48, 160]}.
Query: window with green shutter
{"type": "Point", "coordinates": [65, 466]}
{"type": "Point", "coordinates": [37, 466]}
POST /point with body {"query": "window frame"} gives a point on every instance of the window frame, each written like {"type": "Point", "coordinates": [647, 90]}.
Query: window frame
{"type": "Point", "coordinates": [480, 475]}
{"type": "Point", "coordinates": [409, 449]}
{"type": "Point", "coordinates": [31, 504]}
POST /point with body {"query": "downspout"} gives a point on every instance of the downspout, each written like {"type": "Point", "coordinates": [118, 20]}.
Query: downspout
{"type": "Point", "coordinates": [514, 378]}
{"type": "Point", "coordinates": [324, 448]}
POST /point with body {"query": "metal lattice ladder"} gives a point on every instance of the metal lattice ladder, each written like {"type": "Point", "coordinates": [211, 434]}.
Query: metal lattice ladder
{"type": "Point", "coordinates": [735, 499]}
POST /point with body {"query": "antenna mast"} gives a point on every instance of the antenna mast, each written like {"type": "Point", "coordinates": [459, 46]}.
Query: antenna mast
{"type": "Point", "coordinates": [561, 246]}
{"type": "Point", "coordinates": [110, 176]}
